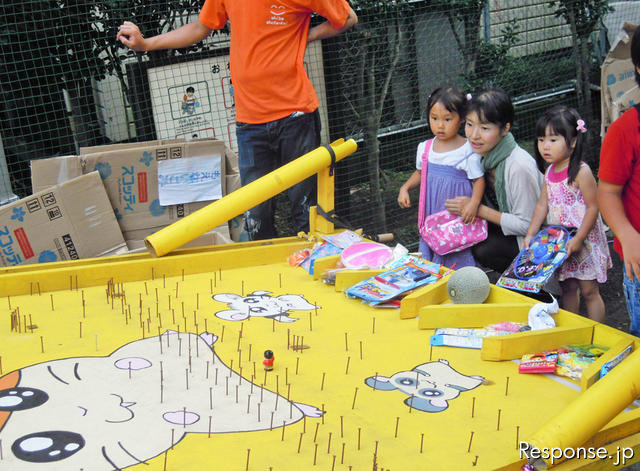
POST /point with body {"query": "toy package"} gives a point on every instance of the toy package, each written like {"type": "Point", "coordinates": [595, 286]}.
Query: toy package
{"type": "Point", "coordinates": [471, 338]}
{"type": "Point", "coordinates": [533, 266]}
{"type": "Point", "coordinates": [611, 364]}
{"type": "Point", "coordinates": [342, 239]}
{"type": "Point", "coordinates": [576, 359]}
{"type": "Point", "coordinates": [408, 273]}
{"type": "Point", "coordinates": [325, 249]}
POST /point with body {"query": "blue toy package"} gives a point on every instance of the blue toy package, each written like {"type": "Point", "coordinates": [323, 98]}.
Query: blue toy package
{"type": "Point", "coordinates": [326, 249]}
{"type": "Point", "coordinates": [408, 273]}
{"type": "Point", "coordinates": [535, 265]}
{"type": "Point", "coordinates": [611, 364]}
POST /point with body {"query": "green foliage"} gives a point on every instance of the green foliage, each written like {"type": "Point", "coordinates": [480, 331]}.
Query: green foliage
{"type": "Point", "coordinates": [55, 36]}
{"type": "Point", "coordinates": [585, 14]}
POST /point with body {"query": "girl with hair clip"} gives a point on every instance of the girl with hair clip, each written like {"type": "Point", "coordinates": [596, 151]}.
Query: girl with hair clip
{"type": "Point", "coordinates": [513, 179]}
{"type": "Point", "coordinates": [568, 198]}
{"type": "Point", "coordinates": [450, 168]}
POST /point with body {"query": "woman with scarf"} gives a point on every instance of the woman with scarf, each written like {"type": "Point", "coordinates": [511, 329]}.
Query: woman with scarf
{"type": "Point", "coordinates": [513, 180]}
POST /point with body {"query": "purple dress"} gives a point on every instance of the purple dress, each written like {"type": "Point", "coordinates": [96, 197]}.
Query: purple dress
{"type": "Point", "coordinates": [444, 182]}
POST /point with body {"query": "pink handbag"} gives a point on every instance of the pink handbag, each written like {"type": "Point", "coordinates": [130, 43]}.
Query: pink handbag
{"type": "Point", "coordinates": [444, 232]}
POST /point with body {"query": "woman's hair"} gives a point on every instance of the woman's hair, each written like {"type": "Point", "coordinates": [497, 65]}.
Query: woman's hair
{"type": "Point", "coordinates": [451, 98]}
{"type": "Point", "coordinates": [563, 121]}
{"type": "Point", "coordinates": [492, 106]}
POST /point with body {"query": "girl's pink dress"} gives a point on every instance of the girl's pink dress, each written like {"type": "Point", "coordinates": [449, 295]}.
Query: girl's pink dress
{"type": "Point", "coordinates": [567, 208]}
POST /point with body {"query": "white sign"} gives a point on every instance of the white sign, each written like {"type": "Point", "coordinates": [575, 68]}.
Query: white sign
{"type": "Point", "coordinates": [189, 179]}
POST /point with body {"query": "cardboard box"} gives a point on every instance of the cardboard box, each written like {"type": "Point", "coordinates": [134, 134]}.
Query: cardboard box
{"type": "Point", "coordinates": [617, 75]}
{"type": "Point", "coordinates": [68, 221]}
{"type": "Point", "coordinates": [130, 176]}
{"type": "Point", "coordinates": [218, 236]}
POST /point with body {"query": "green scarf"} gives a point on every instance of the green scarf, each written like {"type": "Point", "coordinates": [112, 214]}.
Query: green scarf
{"type": "Point", "coordinates": [496, 159]}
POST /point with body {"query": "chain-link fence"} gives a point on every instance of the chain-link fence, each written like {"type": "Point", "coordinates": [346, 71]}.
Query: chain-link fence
{"type": "Point", "coordinates": [66, 83]}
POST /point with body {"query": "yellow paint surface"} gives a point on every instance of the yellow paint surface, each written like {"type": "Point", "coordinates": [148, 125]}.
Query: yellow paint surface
{"type": "Point", "coordinates": [347, 343]}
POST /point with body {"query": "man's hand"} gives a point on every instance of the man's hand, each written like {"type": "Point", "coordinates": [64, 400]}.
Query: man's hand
{"type": "Point", "coordinates": [129, 34]}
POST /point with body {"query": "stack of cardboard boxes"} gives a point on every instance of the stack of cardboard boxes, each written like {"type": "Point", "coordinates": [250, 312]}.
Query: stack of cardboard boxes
{"type": "Point", "coordinates": [619, 89]}
{"type": "Point", "coordinates": [106, 200]}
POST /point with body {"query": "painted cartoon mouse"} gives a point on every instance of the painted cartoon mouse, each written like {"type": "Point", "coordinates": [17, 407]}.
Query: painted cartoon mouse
{"type": "Point", "coordinates": [108, 413]}
{"type": "Point", "coordinates": [430, 386]}
{"type": "Point", "coordinates": [262, 304]}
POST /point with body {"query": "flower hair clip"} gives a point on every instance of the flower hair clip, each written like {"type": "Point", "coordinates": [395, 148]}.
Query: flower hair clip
{"type": "Point", "coordinates": [580, 127]}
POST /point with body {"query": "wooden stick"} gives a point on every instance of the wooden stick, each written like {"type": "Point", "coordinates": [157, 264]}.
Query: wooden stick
{"type": "Point", "coordinates": [355, 394]}
{"type": "Point", "coordinates": [517, 432]}
{"type": "Point", "coordinates": [42, 343]}
{"type": "Point", "coordinates": [361, 349]}
{"type": "Point", "coordinates": [322, 384]}
{"type": "Point", "coordinates": [506, 389]}
{"type": "Point", "coordinates": [346, 342]}
{"type": "Point", "coordinates": [470, 440]}
{"type": "Point", "coordinates": [499, 412]}
{"type": "Point", "coordinates": [347, 368]}
{"type": "Point", "coordinates": [359, 429]}
{"type": "Point", "coordinates": [421, 441]}
{"type": "Point", "coordinates": [397, 423]}
{"type": "Point", "coordinates": [248, 453]}
{"type": "Point", "coordinates": [329, 444]}
{"type": "Point", "coordinates": [341, 426]}
{"type": "Point", "coordinates": [315, 435]}
{"type": "Point", "coordinates": [300, 441]}
{"type": "Point", "coordinates": [315, 455]}
{"type": "Point", "coordinates": [342, 454]}
{"type": "Point", "coordinates": [473, 407]}
{"type": "Point", "coordinates": [284, 426]}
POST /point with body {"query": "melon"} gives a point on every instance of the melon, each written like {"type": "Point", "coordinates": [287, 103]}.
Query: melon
{"type": "Point", "coordinates": [468, 285]}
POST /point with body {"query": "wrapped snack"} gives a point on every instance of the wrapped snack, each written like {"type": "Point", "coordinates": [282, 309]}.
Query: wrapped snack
{"type": "Point", "coordinates": [578, 357]}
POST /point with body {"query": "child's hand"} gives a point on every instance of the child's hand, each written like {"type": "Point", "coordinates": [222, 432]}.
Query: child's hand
{"type": "Point", "coordinates": [403, 198]}
{"type": "Point", "coordinates": [574, 246]}
{"type": "Point", "coordinates": [527, 241]}
{"type": "Point", "coordinates": [469, 212]}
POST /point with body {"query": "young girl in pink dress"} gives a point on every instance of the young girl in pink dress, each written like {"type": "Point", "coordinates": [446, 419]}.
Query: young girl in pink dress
{"type": "Point", "coordinates": [568, 198]}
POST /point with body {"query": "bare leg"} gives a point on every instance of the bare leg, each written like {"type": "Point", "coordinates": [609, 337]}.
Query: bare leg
{"type": "Point", "coordinates": [595, 305]}
{"type": "Point", "coordinates": [570, 295]}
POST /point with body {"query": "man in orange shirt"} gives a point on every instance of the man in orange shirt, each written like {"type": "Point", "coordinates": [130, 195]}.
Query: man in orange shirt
{"type": "Point", "coordinates": [276, 105]}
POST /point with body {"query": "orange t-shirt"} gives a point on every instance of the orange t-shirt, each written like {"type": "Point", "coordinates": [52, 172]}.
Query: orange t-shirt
{"type": "Point", "coordinates": [268, 41]}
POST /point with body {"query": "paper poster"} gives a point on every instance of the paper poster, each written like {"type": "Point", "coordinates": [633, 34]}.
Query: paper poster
{"type": "Point", "coordinates": [188, 180]}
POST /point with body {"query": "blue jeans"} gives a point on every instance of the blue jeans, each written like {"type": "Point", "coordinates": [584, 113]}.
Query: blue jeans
{"type": "Point", "coordinates": [263, 148]}
{"type": "Point", "coordinates": [632, 295]}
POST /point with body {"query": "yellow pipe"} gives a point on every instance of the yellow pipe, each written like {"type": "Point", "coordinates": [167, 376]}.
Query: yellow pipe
{"type": "Point", "coordinates": [185, 230]}
{"type": "Point", "coordinates": [589, 412]}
